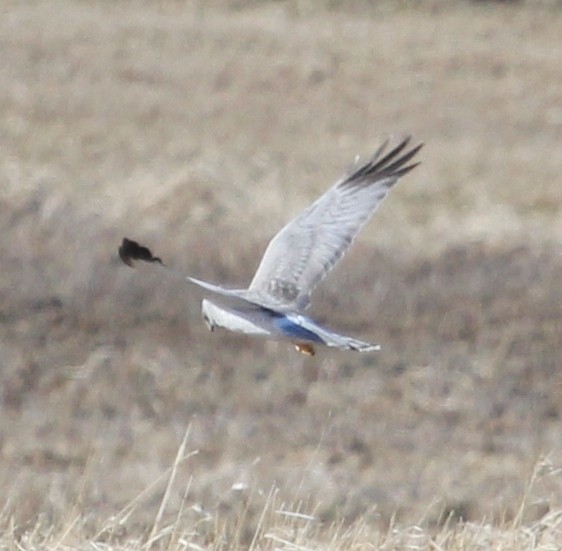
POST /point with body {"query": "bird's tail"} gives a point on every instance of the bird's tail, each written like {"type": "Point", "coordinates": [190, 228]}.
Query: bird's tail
{"type": "Point", "coordinates": [331, 338]}
{"type": "Point", "coordinates": [348, 343]}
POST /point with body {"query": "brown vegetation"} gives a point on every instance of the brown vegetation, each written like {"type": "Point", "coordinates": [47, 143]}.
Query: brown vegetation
{"type": "Point", "coordinates": [199, 130]}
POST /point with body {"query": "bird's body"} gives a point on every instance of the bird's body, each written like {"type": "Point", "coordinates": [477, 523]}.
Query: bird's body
{"type": "Point", "coordinates": [275, 325]}
{"type": "Point", "coordinates": [299, 257]}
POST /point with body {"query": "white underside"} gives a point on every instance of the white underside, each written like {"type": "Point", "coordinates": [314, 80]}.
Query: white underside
{"type": "Point", "coordinates": [259, 322]}
{"type": "Point", "coordinates": [223, 317]}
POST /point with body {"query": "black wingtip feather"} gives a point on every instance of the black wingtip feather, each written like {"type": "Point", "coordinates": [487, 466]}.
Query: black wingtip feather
{"type": "Point", "coordinates": [403, 160]}
{"type": "Point", "coordinates": [406, 169]}
{"type": "Point", "coordinates": [383, 165]}
{"type": "Point", "coordinates": [130, 250]}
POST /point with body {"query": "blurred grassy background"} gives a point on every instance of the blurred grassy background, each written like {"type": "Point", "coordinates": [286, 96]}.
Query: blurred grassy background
{"type": "Point", "coordinates": [200, 129]}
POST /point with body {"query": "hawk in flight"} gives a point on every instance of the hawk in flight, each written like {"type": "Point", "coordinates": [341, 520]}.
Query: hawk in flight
{"type": "Point", "coordinates": [299, 257]}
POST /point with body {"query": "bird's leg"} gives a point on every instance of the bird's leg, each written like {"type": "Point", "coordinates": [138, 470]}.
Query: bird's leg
{"type": "Point", "coordinates": [305, 348]}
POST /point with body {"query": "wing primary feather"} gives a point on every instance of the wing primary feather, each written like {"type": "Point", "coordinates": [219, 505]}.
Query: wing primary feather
{"type": "Point", "coordinates": [392, 168]}
{"type": "Point", "coordinates": [380, 167]}
{"type": "Point", "coordinates": [393, 153]}
{"type": "Point", "coordinates": [359, 172]}
{"type": "Point", "coordinates": [405, 170]}
{"type": "Point", "coordinates": [376, 161]}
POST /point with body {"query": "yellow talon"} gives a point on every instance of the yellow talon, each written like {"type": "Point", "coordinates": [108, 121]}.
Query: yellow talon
{"type": "Point", "coordinates": [305, 348]}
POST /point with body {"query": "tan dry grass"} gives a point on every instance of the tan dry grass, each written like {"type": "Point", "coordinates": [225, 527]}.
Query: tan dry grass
{"type": "Point", "coordinates": [196, 128]}
{"type": "Point", "coordinates": [277, 526]}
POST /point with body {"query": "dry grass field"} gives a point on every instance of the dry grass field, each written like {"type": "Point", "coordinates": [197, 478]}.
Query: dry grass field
{"type": "Point", "coordinates": [199, 128]}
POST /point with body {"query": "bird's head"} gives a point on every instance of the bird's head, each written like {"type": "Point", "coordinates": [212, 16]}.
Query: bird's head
{"type": "Point", "coordinates": [207, 313]}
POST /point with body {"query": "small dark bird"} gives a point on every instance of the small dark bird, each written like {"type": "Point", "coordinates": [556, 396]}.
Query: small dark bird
{"type": "Point", "coordinates": [130, 251]}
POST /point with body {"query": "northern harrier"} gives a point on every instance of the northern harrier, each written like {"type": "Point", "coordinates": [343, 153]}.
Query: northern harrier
{"type": "Point", "coordinates": [299, 257]}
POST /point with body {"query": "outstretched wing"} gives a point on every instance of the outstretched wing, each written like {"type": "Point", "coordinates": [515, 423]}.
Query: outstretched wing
{"type": "Point", "coordinates": [309, 246]}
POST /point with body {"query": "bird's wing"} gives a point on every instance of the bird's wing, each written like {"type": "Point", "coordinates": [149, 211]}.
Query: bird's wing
{"type": "Point", "coordinates": [216, 288]}
{"type": "Point", "coordinates": [239, 298]}
{"type": "Point", "coordinates": [309, 246]}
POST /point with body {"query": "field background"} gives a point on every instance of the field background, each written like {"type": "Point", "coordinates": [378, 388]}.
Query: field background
{"type": "Point", "coordinates": [199, 128]}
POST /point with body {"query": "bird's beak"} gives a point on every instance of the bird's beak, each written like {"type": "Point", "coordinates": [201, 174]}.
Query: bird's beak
{"type": "Point", "coordinates": [209, 324]}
